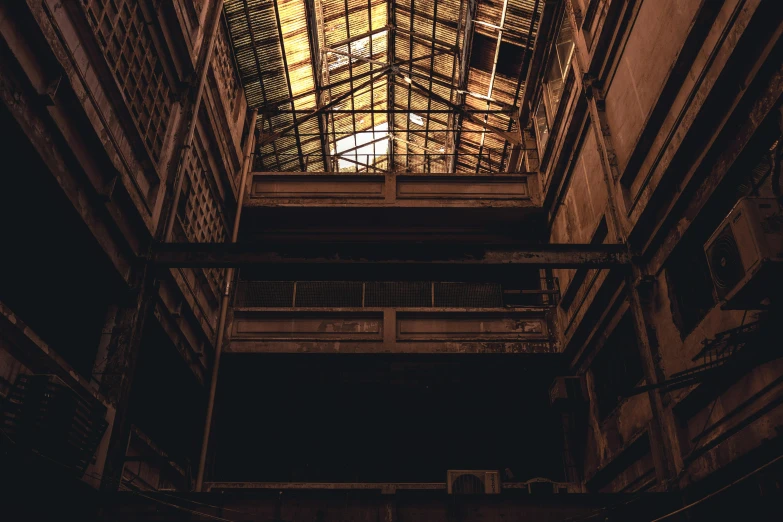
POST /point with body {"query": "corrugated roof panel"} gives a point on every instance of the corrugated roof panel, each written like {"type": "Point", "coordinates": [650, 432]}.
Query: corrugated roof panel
{"type": "Point", "coordinates": [271, 40]}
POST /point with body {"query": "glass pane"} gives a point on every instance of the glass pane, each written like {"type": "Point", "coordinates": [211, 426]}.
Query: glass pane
{"type": "Point", "coordinates": [559, 63]}
{"type": "Point", "coordinates": [542, 127]}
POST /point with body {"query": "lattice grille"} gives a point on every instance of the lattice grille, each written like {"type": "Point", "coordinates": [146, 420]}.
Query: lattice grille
{"type": "Point", "coordinates": [468, 295]}
{"type": "Point", "coordinates": [398, 294]}
{"type": "Point", "coordinates": [268, 294]}
{"type": "Point", "coordinates": [373, 294]}
{"type": "Point", "coordinates": [199, 211]}
{"type": "Point", "coordinates": [326, 294]}
{"type": "Point", "coordinates": [130, 52]}
{"type": "Point", "coordinates": [223, 64]}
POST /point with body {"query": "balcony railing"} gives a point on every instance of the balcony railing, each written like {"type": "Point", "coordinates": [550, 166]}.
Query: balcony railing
{"type": "Point", "coordinates": [391, 294]}
{"type": "Point", "coordinates": [487, 162]}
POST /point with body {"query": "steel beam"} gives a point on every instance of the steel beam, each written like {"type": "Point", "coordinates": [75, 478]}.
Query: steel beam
{"type": "Point", "coordinates": [317, 68]}
{"type": "Point", "coordinates": [443, 46]}
{"type": "Point", "coordinates": [273, 112]}
{"type": "Point", "coordinates": [511, 138]}
{"type": "Point", "coordinates": [516, 150]}
{"type": "Point", "coordinates": [288, 83]}
{"type": "Point", "coordinates": [326, 50]}
{"type": "Point", "coordinates": [360, 36]}
{"type": "Point", "coordinates": [398, 254]}
{"type": "Point", "coordinates": [462, 80]}
{"type": "Point", "coordinates": [269, 138]}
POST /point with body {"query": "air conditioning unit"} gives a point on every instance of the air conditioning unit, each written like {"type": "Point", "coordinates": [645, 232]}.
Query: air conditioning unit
{"type": "Point", "coordinates": [567, 391]}
{"type": "Point", "coordinates": [745, 254]}
{"type": "Point", "coordinates": [472, 482]}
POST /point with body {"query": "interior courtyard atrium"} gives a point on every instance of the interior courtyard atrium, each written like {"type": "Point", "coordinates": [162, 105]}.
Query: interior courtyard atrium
{"type": "Point", "coordinates": [391, 260]}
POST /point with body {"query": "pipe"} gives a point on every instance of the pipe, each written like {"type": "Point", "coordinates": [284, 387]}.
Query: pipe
{"type": "Point", "coordinates": [184, 156]}
{"type": "Point", "coordinates": [248, 160]}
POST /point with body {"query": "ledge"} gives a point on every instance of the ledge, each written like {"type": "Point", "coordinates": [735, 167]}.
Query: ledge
{"type": "Point", "coordinates": [390, 330]}
{"type": "Point", "coordinates": [327, 189]}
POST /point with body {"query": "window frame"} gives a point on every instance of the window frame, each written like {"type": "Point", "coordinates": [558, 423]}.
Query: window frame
{"type": "Point", "coordinates": [544, 96]}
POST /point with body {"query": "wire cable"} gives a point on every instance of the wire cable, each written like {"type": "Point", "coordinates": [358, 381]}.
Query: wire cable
{"type": "Point", "coordinates": [101, 478]}
{"type": "Point", "coordinates": [721, 490]}
{"type": "Point", "coordinates": [181, 508]}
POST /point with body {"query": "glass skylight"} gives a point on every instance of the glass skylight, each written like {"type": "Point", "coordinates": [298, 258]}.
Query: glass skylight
{"type": "Point", "coordinates": [360, 47]}
{"type": "Point", "coordinates": [363, 148]}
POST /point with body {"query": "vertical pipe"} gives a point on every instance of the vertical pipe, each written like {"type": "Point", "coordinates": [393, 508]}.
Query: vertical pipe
{"type": "Point", "coordinates": [179, 175]}
{"type": "Point", "coordinates": [246, 165]}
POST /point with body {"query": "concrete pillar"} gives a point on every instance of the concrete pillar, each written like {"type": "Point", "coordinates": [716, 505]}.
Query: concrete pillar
{"type": "Point", "coordinates": [115, 368]}
{"type": "Point", "coordinates": [638, 286]}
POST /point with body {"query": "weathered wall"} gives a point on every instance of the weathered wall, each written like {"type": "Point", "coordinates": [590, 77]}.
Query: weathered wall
{"type": "Point", "coordinates": [654, 40]}
{"type": "Point", "coordinates": [651, 154]}
{"type": "Point", "coordinates": [104, 91]}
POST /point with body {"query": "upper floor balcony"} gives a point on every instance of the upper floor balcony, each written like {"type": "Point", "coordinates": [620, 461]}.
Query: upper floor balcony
{"type": "Point", "coordinates": [393, 189]}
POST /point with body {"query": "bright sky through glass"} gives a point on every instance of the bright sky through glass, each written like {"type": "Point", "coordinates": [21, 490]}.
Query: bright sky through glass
{"type": "Point", "coordinates": [361, 148]}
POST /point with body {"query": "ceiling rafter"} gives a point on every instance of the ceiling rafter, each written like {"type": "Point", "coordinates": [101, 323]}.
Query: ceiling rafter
{"type": "Point", "coordinates": [391, 22]}
{"type": "Point", "coordinates": [444, 46]}
{"type": "Point", "coordinates": [464, 65]}
{"type": "Point", "coordinates": [527, 50]}
{"type": "Point", "coordinates": [265, 139]}
{"type": "Point", "coordinates": [478, 121]}
{"type": "Point", "coordinates": [492, 77]}
{"type": "Point", "coordinates": [313, 29]}
{"type": "Point", "coordinates": [410, 90]}
{"type": "Point", "coordinates": [373, 32]}
{"type": "Point", "coordinates": [305, 59]}
{"type": "Point", "coordinates": [288, 82]}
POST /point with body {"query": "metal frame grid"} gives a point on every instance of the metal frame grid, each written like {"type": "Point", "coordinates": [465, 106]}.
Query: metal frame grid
{"type": "Point", "coordinates": [323, 71]}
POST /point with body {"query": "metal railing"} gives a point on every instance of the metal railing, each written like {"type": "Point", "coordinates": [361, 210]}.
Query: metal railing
{"type": "Point", "coordinates": [389, 294]}
{"type": "Point", "coordinates": [487, 162]}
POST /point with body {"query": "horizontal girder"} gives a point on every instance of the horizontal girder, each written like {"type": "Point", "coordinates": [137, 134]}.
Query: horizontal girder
{"type": "Point", "coordinates": [210, 255]}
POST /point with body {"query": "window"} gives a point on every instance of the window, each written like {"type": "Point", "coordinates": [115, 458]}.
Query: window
{"type": "Point", "coordinates": [542, 127]}
{"type": "Point", "coordinates": [559, 63]}
{"type": "Point", "coordinates": [554, 82]}
{"type": "Point", "coordinates": [617, 368]}
{"type": "Point", "coordinates": [690, 285]}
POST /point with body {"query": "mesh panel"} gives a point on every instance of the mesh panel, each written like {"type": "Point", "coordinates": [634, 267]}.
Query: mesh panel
{"type": "Point", "coordinates": [468, 295]}
{"type": "Point", "coordinates": [223, 64]}
{"type": "Point", "coordinates": [200, 208]}
{"type": "Point", "coordinates": [325, 294]}
{"type": "Point", "coordinates": [271, 294]}
{"type": "Point", "coordinates": [124, 38]}
{"type": "Point", "coordinates": [398, 294]}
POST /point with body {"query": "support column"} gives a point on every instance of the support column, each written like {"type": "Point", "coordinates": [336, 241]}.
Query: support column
{"type": "Point", "coordinates": [116, 365]}
{"type": "Point", "coordinates": [638, 284]}
{"type": "Point", "coordinates": [662, 422]}
{"type": "Point", "coordinates": [250, 143]}
{"type": "Point", "coordinates": [115, 368]}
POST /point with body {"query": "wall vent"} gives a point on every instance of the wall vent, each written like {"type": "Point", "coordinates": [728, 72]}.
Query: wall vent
{"type": "Point", "coordinates": [472, 482]}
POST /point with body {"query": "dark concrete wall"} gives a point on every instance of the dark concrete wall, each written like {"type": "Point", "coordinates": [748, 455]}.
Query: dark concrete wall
{"type": "Point", "coordinates": [654, 145]}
